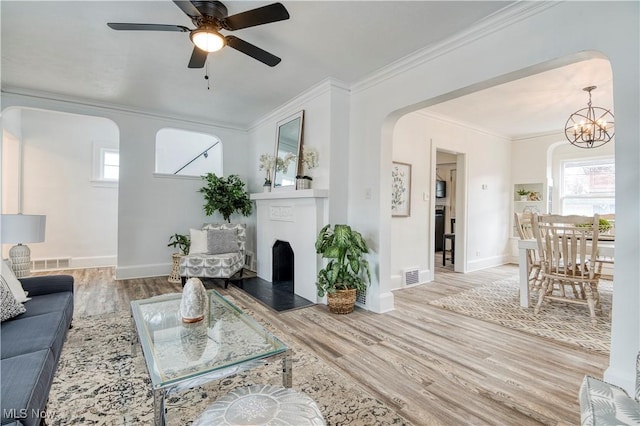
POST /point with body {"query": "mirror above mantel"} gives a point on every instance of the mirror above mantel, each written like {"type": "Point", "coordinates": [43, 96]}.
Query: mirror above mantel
{"type": "Point", "coordinates": [288, 147]}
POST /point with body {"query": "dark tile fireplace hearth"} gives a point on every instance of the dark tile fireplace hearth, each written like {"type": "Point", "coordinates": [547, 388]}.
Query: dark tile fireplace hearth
{"type": "Point", "coordinates": [279, 293]}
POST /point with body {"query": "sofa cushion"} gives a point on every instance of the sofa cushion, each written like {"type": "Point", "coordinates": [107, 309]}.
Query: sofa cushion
{"type": "Point", "coordinates": [602, 403]}
{"type": "Point", "coordinates": [26, 382]}
{"type": "Point", "coordinates": [23, 335]}
{"type": "Point", "coordinates": [9, 306]}
{"type": "Point", "coordinates": [47, 303]}
{"type": "Point", "coordinates": [14, 284]}
{"type": "Point", "coordinates": [221, 241]}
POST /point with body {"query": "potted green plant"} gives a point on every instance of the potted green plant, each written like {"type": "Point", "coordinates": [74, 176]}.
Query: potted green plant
{"type": "Point", "coordinates": [347, 270]}
{"type": "Point", "coordinates": [183, 243]}
{"type": "Point", "coordinates": [523, 193]}
{"type": "Point", "coordinates": [227, 196]}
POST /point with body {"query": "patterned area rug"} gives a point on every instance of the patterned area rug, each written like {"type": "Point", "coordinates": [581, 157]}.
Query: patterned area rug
{"type": "Point", "coordinates": [100, 382]}
{"type": "Point", "coordinates": [563, 322]}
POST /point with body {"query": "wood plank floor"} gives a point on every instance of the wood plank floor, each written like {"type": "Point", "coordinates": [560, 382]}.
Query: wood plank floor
{"type": "Point", "coordinates": [433, 366]}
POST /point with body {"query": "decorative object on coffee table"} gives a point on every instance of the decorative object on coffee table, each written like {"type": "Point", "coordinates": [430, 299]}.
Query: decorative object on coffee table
{"type": "Point", "coordinates": [262, 405]}
{"type": "Point", "coordinates": [193, 305]}
{"type": "Point", "coordinates": [347, 270]}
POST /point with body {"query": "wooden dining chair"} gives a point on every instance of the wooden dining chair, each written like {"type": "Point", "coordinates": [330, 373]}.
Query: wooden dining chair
{"type": "Point", "coordinates": [568, 247]}
{"type": "Point", "coordinates": [605, 263]}
{"type": "Point", "coordinates": [525, 232]}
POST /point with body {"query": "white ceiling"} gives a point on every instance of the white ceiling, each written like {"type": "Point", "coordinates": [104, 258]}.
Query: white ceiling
{"type": "Point", "coordinates": [65, 48]}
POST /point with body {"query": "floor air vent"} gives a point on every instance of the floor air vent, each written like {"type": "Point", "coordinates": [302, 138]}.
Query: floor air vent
{"type": "Point", "coordinates": [411, 276]}
{"type": "Point", "coordinates": [361, 297]}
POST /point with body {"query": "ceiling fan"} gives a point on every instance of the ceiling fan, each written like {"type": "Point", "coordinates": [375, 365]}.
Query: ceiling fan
{"type": "Point", "coordinates": [210, 17]}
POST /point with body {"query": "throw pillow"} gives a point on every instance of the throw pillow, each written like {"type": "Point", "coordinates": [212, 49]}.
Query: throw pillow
{"type": "Point", "coordinates": [198, 241]}
{"type": "Point", "coordinates": [13, 283]}
{"type": "Point", "coordinates": [9, 306]}
{"type": "Point", "coordinates": [222, 241]}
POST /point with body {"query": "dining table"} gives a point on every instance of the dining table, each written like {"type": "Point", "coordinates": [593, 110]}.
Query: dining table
{"type": "Point", "coordinates": [606, 248]}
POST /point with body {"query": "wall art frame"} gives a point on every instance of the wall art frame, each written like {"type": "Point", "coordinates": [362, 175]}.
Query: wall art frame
{"type": "Point", "coordinates": [400, 189]}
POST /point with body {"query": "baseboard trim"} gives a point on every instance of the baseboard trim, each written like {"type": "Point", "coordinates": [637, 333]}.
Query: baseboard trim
{"type": "Point", "coordinates": [143, 271]}
{"type": "Point", "coordinates": [487, 262]}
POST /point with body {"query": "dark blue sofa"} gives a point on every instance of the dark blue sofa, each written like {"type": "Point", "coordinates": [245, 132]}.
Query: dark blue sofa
{"type": "Point", "coordinates": [30, 345]}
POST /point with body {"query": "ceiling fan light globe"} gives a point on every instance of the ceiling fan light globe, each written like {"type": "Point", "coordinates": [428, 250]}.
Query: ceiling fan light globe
{"type": "Point", "coordinates": [207, 40]}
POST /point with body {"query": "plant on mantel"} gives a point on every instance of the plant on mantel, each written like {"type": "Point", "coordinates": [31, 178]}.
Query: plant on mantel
{"type": "Point", "coordinates": [309, 160]}
{"type": "Point", "coordinates": [267, 163]}
{"type": "Point", "coordinates": [226, 196]}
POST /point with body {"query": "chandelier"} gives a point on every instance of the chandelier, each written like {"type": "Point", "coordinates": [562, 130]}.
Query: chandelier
{"type": "Point", "coordinates": [590, 127]}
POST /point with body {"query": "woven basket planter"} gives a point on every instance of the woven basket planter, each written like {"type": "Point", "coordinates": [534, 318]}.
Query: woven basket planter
{"type": "Point", "coordinates": [341, 301]}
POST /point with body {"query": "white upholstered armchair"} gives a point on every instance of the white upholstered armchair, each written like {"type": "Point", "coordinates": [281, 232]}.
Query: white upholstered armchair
{"type": "Point", "coordinates": [216, 251]}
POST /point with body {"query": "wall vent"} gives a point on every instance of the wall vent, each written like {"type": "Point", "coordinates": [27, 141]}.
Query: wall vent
{"type": "Point", "coordinates": [361, 297]}
{"type": "Point", "coordinates": [46, 264]}
{"type": "Point", "coordinates": [410, 276]}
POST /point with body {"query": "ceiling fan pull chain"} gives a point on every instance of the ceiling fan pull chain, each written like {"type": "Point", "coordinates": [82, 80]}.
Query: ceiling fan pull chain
{"type": "Point", "coordinates": [206, 74]}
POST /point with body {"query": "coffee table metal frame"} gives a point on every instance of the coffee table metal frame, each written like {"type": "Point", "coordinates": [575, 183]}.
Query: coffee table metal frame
{"type": "Point", "coordinates": [161, 315]}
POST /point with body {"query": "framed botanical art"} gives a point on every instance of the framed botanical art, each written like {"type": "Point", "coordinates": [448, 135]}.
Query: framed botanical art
{"type": "Point", "coordinates": [401, 189]}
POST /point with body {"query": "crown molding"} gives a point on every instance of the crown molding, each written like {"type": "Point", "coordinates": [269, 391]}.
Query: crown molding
{"type": "Point", "coordinates": [503, 18]}
{"type": "Point", "coordinates": [104, 106]}
{"type": "Point", "coordinates": [298, 101]}
{"type": "Point", "coordinates": [466, 125]}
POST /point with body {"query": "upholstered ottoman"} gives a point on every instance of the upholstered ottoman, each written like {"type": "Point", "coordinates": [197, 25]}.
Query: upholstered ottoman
{"type": "Point", "coordinates": [262, 405]}
{"type": "Point", "coordinates": [604, 404]}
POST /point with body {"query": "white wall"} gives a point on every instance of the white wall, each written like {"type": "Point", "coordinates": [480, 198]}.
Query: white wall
{"type": "Point", "coordinates": [326, 121]}
{"type": "Point", "coordinates": [57, 157]}
{"type": "Point", "coordinates": [549, 31]}
{"type": "Point", "coordinates": [150, 208]}
{"type": "Point", "coordinates": [488, 155]}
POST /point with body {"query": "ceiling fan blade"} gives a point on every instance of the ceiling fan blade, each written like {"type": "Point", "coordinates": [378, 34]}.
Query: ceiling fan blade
{"type": "Point", "coordinates": [146, 27]}
{"type": "Point", "coordinates": [261, 15]}
{"type": "Point", "coordinates": [188, 8]}
{"type": "Point", "coordinates": [198, 58]}
{"type": "Point", "coordinates": [253, 51]}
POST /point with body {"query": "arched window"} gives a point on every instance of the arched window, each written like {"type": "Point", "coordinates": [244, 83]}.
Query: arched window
{"type": "Point", "coordinates": [186, 153]}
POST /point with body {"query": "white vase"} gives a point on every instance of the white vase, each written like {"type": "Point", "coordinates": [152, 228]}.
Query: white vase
{"type": "Point", "coordinates": [266, 188]}
{"type": "Point", "coordinates": [193, 305]}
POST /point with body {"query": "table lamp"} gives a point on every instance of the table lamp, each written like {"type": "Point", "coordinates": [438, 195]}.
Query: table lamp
{"type": "Point", "coordinates": [19, 229]}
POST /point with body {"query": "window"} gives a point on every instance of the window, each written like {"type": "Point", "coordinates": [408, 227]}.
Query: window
{"type": "Point", "coordinates": [185, 153]}
{"type": "Point", "coordinates": [110, 164]}
{"type": "Point", "coordinates": [106, 163]}
{"type": "Point", "coordinates": [588, 187]}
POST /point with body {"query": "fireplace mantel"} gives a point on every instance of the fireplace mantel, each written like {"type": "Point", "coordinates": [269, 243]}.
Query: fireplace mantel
{"type": "Point", "coordinates": [290, 193]}
{"type": "Point", "coordinates": [294, 216]}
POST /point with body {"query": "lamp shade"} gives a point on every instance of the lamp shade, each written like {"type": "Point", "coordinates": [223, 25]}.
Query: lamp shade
{"type": "Point", "coordinates": [23, 228]}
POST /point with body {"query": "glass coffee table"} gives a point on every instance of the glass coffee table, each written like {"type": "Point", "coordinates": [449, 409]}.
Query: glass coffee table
{"type": "Point", "coordinates": [182, 356]}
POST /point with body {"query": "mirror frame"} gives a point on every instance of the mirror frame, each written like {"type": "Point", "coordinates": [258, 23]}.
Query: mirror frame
{"type": "Point", "coordinates": [298, 163]}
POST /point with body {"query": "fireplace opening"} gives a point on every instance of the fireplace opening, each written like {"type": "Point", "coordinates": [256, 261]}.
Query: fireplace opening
{"type": "Point", "coordinates": [282, 265]}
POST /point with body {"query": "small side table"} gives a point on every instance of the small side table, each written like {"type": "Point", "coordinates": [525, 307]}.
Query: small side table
{"type": "Point", "coordinates": [261, 405]}
{"type": "Point", "coordinates": [174, 276]}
